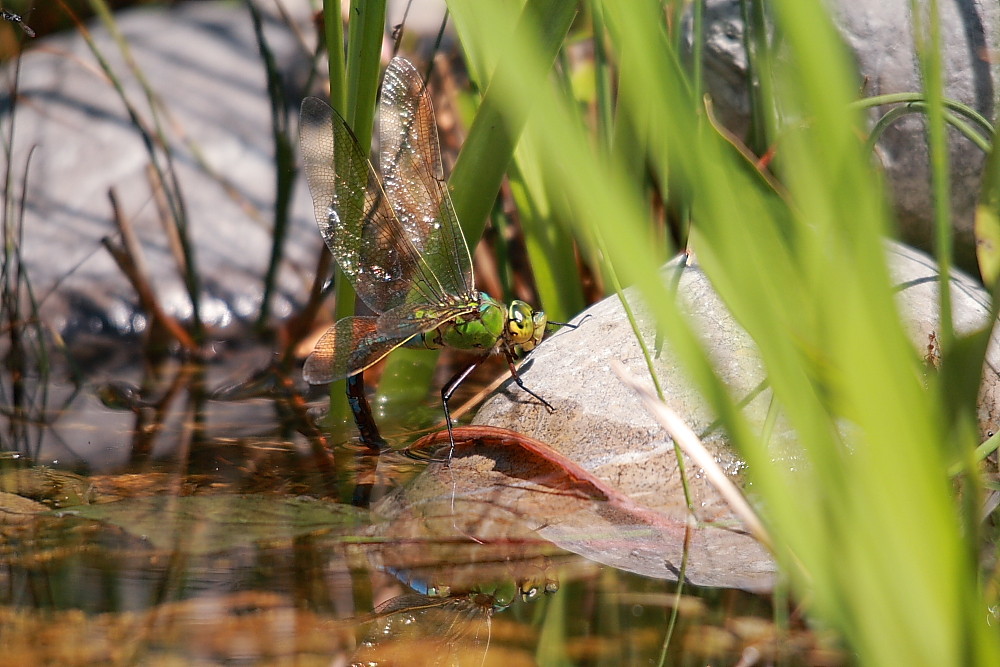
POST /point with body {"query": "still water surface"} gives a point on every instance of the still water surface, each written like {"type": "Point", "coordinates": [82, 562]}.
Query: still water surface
{"type": "Point", "coordinates": [194, 543]}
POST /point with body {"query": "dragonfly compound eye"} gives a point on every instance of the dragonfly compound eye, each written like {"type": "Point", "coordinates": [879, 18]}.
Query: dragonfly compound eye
{"type": "Point", "coordinates": [533, 331]}
{"type": "Point", "coordinates": [520, 323]}
{"type": "Point", "coordinates": [540, 320]}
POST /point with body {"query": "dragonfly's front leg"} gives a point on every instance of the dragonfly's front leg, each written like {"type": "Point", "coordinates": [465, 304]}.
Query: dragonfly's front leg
{"type": "Point", "coordinates": [451, 387]}
{"type": "Point", "coordinates": [520, 382]}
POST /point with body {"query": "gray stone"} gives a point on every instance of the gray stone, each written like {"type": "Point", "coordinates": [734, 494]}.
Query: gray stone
{"type": "Point", "coordinates": [879, 36]}
{"type": "Point", "coordinates": [601, 424]}
{"type": "Point", "coordinates": [204, 67]}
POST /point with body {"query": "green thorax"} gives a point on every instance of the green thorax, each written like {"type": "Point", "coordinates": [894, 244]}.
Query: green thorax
{"type": "Point", "coordinates": [516, 328]}
{"type": "Point", "coordinates": [480, 330]}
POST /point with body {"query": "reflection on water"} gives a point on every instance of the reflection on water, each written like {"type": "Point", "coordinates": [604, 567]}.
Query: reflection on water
{"type": "Point", "coordinates": [422, 630]}
{"type": "Point", "coordinates": [208, 545]}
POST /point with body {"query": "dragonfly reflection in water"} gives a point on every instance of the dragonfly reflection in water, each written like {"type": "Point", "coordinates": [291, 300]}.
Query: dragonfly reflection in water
{"type": "Point", "coordinates": [418, 629]}
{"type": "Point", "coordinates": [398, 240]}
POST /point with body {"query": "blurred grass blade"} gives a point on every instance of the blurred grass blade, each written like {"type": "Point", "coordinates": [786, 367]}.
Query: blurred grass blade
{"type": "Point", "coordinates": [551, 250]}
{"type": "Point", "coordinates": [926, 21]}
{"type": "Point", "coordinates": [487, 150]}
{"type": "Point", "coordinates": [479, 170]}
{"type": "Point", "coordinates": [805, 274]}
{"type": "Point", "coordinates": [987, 223]}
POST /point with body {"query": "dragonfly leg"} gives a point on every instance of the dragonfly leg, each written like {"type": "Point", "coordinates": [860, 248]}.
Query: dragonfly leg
{"type": "Point", "coordinates": [450, 387]}
{"type": "Point", "coordinates": [14, 18]}
{"type": "Point", "coordinates": [447, 391]}
{"type": "Point", "coordinates": [520, 383]}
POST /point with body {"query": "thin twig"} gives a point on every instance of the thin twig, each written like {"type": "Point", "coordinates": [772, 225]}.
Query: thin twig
{"type": "Point", "coordinates": [131, 261]}
{"type": "Point", "coordinates": [165, 217]}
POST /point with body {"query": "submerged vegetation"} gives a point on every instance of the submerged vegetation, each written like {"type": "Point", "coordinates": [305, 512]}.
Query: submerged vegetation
{"type": "Point", "coordinates": [588, 121]}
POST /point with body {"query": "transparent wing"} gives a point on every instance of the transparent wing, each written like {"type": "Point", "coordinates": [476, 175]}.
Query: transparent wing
{"type": "Point", "coordinates": [410, 320]}
{"type": "Point", "coordinates": [374, 251]}
{"type": "Point", "coordinates": [418, 630]}
{"type": "Point", "coordinates": [348, 347]}
{"type": "Point", "coordinates": [410, 160]}
{"type": "Point", "coordinates": [355, 343]}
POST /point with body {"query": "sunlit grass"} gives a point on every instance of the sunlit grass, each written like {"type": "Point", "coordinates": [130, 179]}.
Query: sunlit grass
{"type": "Point", "coordinates": [869, 528]}
{"type": "Point", "coordinates": [874, 537]}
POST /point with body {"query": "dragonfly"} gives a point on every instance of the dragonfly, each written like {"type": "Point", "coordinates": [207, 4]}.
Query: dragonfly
{"type": "Point", "coordinates": [450, 628]}
{"type": "Point", "coordinates": [396, 236]}
{"type": "Point", "coordinates": [419, 629]}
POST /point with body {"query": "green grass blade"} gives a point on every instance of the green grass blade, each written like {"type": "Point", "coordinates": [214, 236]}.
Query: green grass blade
{"type": "Point", "coordinates": [987, 225]}
{"type": "Point", "coordinates": [805, 273]}
{"type": "Point", "coordinates": [550, 247]}
{"type": "Point", "coordinates": [954, 106]}
{"type": "Point", "coordinates": [476, 178]}
{"type": "Point", "coordinates": [333, 27]}
{"type": "Point", "coordinates": [353, 87]}
{"type": "Point", "coordinates": [487, 150]}
{"type": "Point", "coordinates": [927, 38]}
{"type": "Point", "coordinates": [364, 66]}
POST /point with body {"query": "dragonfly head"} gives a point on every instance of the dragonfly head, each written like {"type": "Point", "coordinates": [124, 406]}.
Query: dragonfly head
{"type": "Point", "coordinates": [525, 325]}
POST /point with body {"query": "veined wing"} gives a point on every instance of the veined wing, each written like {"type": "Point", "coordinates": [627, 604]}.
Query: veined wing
{"type": "Point", "coordinates": [374, 251]}
{"type": "Point", "coordinates": [448, 631]}
{"type": "Point", "coordinates": [355, 343]}
{"type": "Point", "coordinates": [350, 346]}
{"type": "Point", "coordinates": [409, 318]}
{"type": "Point", "coordinates": [410, 160]}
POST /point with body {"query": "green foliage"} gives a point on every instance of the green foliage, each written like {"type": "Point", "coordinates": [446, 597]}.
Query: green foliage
{"type": "Point", "coordinates": [987, 228]}
{"type": "Point", "coordinates": [353, 87]}
{"type": "Point", "coordinates": [868, 525]}
{"type": "Point", "coordinates": [479, 171]}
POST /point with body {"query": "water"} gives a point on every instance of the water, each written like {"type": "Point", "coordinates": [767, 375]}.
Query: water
{"type": "Point", "coordinates": [196, 540]}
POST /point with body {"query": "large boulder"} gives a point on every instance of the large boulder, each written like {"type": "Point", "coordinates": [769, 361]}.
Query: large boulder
{"type": "Point", "coordinates": [879, 35]}
{"type": "Point", "coordinates": [207, 78]}
{"type": "Point", "coordinates": [602, 425]}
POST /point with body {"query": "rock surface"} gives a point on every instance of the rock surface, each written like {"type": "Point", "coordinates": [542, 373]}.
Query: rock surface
{"type": "Point", "coordinates": [879, 36]}
{"type": "Point", "coordinates": [204, 67]}
{"type": "Point", "coordinates": [601, 424]}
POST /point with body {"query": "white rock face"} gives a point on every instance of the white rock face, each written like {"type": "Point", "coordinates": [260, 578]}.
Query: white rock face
{"type": "Point", "coordinates": [879, 36]}
{"type": "Point", "coordinates": [601, 424]}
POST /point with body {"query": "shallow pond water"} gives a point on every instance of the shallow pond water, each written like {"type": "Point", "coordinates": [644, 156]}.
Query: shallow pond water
{"type": "Point", "coordinates": [211, 546]}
